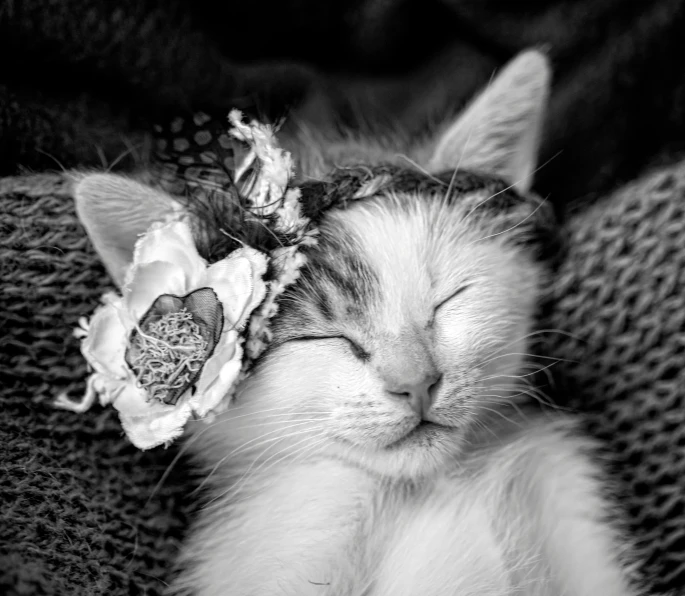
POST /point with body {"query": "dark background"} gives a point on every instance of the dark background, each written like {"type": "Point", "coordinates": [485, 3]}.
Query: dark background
{"type": "Point", "coordinates": [79, 76]}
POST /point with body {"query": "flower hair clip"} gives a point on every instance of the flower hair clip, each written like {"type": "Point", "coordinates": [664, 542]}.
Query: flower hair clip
{"type": "Point", "coordinates": [184, 332]}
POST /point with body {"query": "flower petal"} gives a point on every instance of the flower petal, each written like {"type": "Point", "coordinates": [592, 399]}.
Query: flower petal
{"type": "Point", "coordinates": [132, 400]}
{"type": "Point", "coordinates": [218, 375]}
{"type": "Point", "coordinates": [237, 281]}
{"type": "Point", "coordinates": [148, 423]}
{"type": "Point", "coordinates": [259, 263]}
{"type": "Point", "coordinates": [231, 279]}
{"type": "Point", "coordinates": [158, 427]}
{"type": "Point", "coordinates": [104, 347]}
{"type": "Point", "coordinates": [258, 259]}
{"type": "Point", "coordinates": [149, 282]}
{"type": "Point", "coordinates": [221, 387]}
{"type": "Point", "coordinates": [173, 243]}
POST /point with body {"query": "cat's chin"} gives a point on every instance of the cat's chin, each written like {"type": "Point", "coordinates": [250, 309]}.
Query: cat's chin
{"type": "Point", "coordinates": [421, 435]}
{"type": "Point", "coordinates": [427, 450]}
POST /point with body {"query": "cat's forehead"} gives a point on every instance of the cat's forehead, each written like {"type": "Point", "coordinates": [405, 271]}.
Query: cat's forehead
{"type": "Point", "coordinates": [394, 240]}
{"type": "Point", "coordinates": [383, 260]}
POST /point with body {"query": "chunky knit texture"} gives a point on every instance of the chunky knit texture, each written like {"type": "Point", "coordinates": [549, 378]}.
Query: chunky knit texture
{"type": "Point", "coordinates": [82, 511]}
{"type": "Point", "coordinates": [620, 295]}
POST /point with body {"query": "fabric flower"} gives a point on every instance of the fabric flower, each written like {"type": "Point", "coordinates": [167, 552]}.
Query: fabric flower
{"type": "Point", "coordinates": [275, 166]}
{"type": "Point", "coordinates": [169, 348]}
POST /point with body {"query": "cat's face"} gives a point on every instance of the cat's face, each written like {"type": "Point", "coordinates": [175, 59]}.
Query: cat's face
{"type": "Point", "coordinates": [411, 316]}
{"type": "Point", "coordinates": [409, 321]}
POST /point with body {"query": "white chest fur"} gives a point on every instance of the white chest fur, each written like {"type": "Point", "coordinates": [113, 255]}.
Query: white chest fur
{"type": "Point", "coordinates": [526, 519]}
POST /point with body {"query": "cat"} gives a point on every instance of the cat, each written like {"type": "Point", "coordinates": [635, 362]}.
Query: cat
{"type": "Point", "coordinates": [377, 448]}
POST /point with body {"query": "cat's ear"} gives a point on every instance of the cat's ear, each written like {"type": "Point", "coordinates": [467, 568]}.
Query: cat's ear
{"type": "Point", "coordinates": [115, 211]}
{"type": "Point", "coordinates": [499, 132]}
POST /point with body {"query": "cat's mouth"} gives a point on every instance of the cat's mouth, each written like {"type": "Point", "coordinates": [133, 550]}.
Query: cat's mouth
{"type": "Point", "coordinates": [424, 430]}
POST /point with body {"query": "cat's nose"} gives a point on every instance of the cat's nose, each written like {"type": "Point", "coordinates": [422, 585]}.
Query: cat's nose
{"type": "Point", "coordinates": [420, 392]}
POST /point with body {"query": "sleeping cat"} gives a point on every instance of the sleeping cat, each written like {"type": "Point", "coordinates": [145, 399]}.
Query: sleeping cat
{"type": "Point", "coordinates": [377, 448]}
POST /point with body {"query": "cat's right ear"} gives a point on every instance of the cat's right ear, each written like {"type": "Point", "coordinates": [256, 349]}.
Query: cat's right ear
{"type": "Point", "coordinates": [115, 211]}
{"type": "Point", "coordinates": [499, 131]}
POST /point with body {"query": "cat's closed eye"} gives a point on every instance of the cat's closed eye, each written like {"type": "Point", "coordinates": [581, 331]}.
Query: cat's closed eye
{"type": "Point", "coordinates": [356, 349]}
{"type": "Point", "coordinates": [445, 302]}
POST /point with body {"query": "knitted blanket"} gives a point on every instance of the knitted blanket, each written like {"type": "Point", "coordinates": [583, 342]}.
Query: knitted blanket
{"type": "Point", "coordinates": [86, 513]}
{"type": "Point", "coordinates": [619, 299]}
{"type": "Point", "coordinates": [81, 514]}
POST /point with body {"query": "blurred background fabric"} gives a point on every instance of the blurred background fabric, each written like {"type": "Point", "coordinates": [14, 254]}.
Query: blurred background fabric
{"type": "Point", "coordinates": [83, 84]}
{"type": "Point", "coordinates": [82, 80]}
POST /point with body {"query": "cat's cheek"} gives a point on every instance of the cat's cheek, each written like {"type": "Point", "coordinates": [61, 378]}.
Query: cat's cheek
{"type": "Point", "coordinates": [461, 336]}
{"type": "Point", "coordinates": [317, 376]}
{"type": "Point", "coordinates": [361, 412]}
{"type": "Point", "coordinates": [356, 417]}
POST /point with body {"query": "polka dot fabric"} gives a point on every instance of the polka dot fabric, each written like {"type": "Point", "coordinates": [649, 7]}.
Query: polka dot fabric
{"type": "Point", "coordinates": [196, 150]}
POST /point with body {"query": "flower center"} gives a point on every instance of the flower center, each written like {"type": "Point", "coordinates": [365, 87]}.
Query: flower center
{"type": "Point", "coordinates": [167, 354]}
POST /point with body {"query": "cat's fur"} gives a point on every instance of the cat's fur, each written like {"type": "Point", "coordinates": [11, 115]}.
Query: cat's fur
{"type": "Point", "coordinates": [374, 450]}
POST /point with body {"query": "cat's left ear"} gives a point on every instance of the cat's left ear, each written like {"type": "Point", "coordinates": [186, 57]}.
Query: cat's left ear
{"type": "Point", "coordinates": [116, 211]}
{"type": "Point", "coordinates": [499, 132]}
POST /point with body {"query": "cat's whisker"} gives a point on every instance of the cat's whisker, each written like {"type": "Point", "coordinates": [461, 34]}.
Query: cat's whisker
{"type": "Point", "coordinates": [236, 486]}
{"type": "Point", "coordinates": [497, 354]}
{"type": "Point", "coordinates": [246, 474]}
{"type": "Point", "coordinates": [419, 167]}
{"type": "Point", "coordinates": [268, 419]}
{"type": "Point", "coordinates": [530, 391]}
{"type": "Point", "coordinates": [534, 369]}
{"type": "Point", "coordinates": [446, 196]}
{"type": "Point", "coordinates": [448, 192]}
{"type": "Point", "coordinates": [505, 418]}
{"type": "Point", "coordinates": [53, 158]}
{"type": "Point", "coordinates": [519, 411]}
{"type": "Point", "coordinates": [130, 150]}
{"type": "Point", "coordinates": [507, 385]}
{"type": "Point", "coordinates": [181, 452]}
{"type": "Point", "coordinates": [519, 381]}
{"type": "Point", "coordinates": [508, 403]}
{"type": "Point", "coordinates": [527, 373]}
{"type": "Point", "coordinates": [269, 423]}
{"type": "Point", "coordinates": [188, 443]}
{"type": "Point", "coordinates": [509, 398]}
{"type": "Point", "coordinates": [544, 399]}
{"type": "Point", "coordinates": [524, 179]}
{"type": "Point", "coordinates": [228, 415]}
{"type": "Point", "coordinates": [547, 371]}
{"type": "Point", "coordinates": [256, 443]}
{"type": "Point", "coordinates": [522, 376]}
{"type": "Point", "coordinates": [540, 332]}
{"type": "Point", "coordinates": [532, 364]}
{"type": "Point", "coordinates": [478, 423]}
{"type": "Point", "coordinates": [298, 454]}
{"type": "Point", "coordinates": [510, 381]}
{"type": "Point", "coordinates": [198, 434]}
{"type": "Point", "coordinates": [524, 354]}
{"type": "Point", "coordinates": [234, 407]}
{"type": "Point", "coordinates": [525, 219]}
{"type": "Point", "coordinates": [464, 149]}
{"type": "Point", "coordinates": [301, 453]}
{"type": "Point", "coordinates": [521, 388]}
